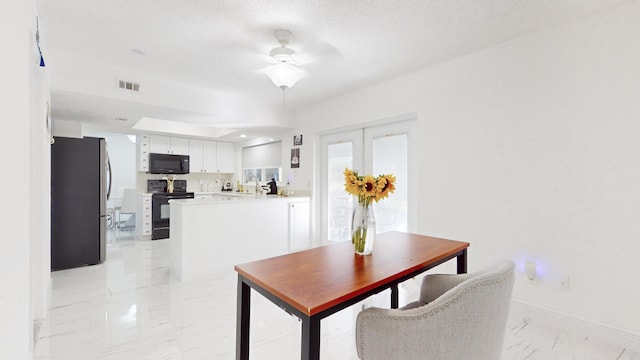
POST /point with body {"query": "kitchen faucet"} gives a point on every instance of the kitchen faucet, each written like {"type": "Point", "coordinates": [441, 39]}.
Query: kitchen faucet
{"type": "Point", "coordinates": [257, 185]}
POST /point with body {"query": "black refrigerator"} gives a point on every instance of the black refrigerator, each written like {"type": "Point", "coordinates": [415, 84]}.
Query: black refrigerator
{"type": "Point", "coordinates": [80, 177]}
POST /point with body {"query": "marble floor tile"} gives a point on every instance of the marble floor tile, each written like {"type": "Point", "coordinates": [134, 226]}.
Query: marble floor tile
{"type": "Point", "coordinates": [131, 308]}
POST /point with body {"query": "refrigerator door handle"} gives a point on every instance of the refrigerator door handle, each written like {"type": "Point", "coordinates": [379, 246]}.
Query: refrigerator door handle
{"type": "Point", "coordinates": [110, 177]}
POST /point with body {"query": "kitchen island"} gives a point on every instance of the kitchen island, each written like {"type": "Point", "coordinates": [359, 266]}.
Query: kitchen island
{"type": "Point", "coordinates": [220, 231]}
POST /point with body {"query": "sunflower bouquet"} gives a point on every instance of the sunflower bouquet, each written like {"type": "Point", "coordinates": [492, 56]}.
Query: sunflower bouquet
{"type": "Point", "coordinates": [367, 189]}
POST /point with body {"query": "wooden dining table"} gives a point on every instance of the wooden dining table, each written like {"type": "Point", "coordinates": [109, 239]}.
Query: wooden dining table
{"type": "Point", "coordinates": [319, 282]}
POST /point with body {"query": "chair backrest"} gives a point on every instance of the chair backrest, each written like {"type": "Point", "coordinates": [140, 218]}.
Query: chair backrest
{"type": "Point", "coordinates": [128, 201]}
{"type": "Point", "coordinates": [482, 311]}
{"type": "Point", "coordinates": [466, 322]}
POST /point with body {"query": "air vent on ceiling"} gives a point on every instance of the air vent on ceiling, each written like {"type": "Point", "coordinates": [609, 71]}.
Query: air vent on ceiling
{"type": "Point", "coordinates": [128, 85]}
{"type": "Point", "coordinates": [121, 119]}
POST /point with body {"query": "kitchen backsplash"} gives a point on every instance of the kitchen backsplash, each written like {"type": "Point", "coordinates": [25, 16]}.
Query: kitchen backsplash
{"type": "Point", "coordinates": [199, 182]}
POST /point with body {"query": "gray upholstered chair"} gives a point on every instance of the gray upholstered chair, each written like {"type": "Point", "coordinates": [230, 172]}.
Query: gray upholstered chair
{"type": "Point", "coordinates": [458, 317]}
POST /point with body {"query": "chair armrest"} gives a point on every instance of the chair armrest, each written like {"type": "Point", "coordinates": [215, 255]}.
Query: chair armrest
{"type": "Point", "coordinates": [434, 285]}
{"type": "Point", "coordinates": [393, 333]}
{"type": "Point", "coordinates": [385, 334]}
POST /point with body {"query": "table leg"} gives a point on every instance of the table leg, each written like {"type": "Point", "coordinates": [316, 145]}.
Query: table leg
{"type": "Point", "coordinates": [462, 262]}
{"type": "Point", "coordinates": [242, 320]}
{"type": "Point", "coordinates": [394, 296]}
{"type": "Point", "coordinates": [310, 338]}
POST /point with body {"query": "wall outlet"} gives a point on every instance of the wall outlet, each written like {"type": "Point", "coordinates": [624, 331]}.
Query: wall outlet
{"type": "Point", "coordinates": [530, 270]}
{"type": "Point", "coordinates": [565, 283]}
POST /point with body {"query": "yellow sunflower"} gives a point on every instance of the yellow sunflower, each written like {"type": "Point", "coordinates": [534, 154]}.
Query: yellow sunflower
{"type": "Point", "coordinates": [351, 182]}
{"type": "Point", "coordinates": [369, 186]}
{"type": "Point", "coordinates": [386, 185]}
{"type": "Point", "coordinates": [382, 184]}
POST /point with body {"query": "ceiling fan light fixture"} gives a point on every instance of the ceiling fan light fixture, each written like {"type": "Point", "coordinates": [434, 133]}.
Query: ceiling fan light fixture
{"type": "Point", "coordinates": [284, 75]}
{"type": "Point", "coordinates": [282, 54]}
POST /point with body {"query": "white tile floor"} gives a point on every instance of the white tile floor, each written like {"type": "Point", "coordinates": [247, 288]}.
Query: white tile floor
{"type": "Point", "coordinates": [131, 308]}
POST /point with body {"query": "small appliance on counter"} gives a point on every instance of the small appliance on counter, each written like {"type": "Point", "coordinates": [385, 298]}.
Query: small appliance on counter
{"type": "Point", "coordinates": [271, 187]}
{"type": "Point", "coordinates": [227, 187]}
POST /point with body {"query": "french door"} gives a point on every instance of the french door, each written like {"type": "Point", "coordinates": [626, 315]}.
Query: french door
{"type": "Point", "coordinates": [375, 150]}
{"type": "Point", "coordinates": [340, 151]}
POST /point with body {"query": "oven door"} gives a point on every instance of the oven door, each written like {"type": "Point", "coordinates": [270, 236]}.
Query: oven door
{"type": "Point", "coordinates": [160, 213]}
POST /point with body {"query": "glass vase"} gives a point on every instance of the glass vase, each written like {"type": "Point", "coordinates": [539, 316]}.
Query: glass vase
{"type": "Point", "coordinates": [363, 229]}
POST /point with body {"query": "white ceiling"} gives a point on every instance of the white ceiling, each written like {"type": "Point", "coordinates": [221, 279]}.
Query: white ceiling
{"type": "Point", "coordinates": [219, 47]}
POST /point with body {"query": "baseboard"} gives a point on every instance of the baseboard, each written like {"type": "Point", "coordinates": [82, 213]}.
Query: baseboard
{"type": "Point", "coordinates": [44, 306]}
{"type": "Point", "coordinates": [599, 332]}
{"type": "Point", "coordinates": [37, 324]}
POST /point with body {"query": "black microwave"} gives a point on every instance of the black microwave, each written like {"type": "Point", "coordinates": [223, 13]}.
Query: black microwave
{"type": "Point", "coordinates": [168, 164]}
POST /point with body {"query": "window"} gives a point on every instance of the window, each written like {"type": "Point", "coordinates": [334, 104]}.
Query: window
{"type": "Point", "coordinates": [262, 162]}
{"type": "Point", "coordinates": [262, 174]}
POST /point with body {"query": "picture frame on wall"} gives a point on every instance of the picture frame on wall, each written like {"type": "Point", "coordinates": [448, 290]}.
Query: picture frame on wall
{"type": "Point", "coordinates": [295, 158]}
{"type": "Point", "coordinates": [297, 140]}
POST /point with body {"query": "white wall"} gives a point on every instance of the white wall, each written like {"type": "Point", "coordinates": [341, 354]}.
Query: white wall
{"type": "Point", "coordinates": [300, 179]}
{"type": "Point", "coordinates": [529, 150]}
{"type": "Point", "coordinates": [24, 262]}
{"type": "Point", "coordinates": [65, 128]}
{"type": "Point", "coordinates": [40, 199]}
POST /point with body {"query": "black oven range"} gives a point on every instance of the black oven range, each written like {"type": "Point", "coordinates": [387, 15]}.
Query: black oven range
{"type": "Point", "coordinates": [160, 213]}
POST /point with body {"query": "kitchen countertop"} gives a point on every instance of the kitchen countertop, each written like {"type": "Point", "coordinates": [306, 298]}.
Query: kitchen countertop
{"type": "Point", "coordinates": [227, 197]}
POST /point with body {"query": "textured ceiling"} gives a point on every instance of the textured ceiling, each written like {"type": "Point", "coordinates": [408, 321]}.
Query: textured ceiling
{"type": "Point", "coordinates": [221, 45]}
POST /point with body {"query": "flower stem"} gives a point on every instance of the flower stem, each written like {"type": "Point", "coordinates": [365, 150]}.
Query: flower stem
{"type": "Point", "coordinates": [359, 238]}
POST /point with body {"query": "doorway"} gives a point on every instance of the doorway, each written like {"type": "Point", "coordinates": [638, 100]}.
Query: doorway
{"type": "Point", "coordinates": [375, 150]}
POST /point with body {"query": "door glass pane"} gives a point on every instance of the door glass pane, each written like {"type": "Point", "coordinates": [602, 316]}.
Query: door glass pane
{"type": "Point", "coordinates": [339, 157]}
{"type": "Point", "coordinates": [390, 157]}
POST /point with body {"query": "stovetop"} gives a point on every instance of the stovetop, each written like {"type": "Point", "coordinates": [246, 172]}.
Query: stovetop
{"type": "Point", "coordinates": [160, 186]}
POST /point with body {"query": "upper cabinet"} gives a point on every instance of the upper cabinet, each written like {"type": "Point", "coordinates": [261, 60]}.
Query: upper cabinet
{"type": "Point", "coordinates": [202, 155]}
{"type": "Point", "coordinates": [211, 156]}
{"type": "Point", "coordinates": [226, 156]}
{"type": "Point", "coordinates": [196, 156]}
{"type": "Point", "coordinates": [210, 151]}
{"type": "Point", "coordinates": [168, 145]}
{"type": "Point", "coordinates": [205, 156]}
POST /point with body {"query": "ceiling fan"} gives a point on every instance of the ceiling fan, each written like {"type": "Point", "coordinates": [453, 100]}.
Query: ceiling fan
{"type": "Point", "coordinates": [284, 70]}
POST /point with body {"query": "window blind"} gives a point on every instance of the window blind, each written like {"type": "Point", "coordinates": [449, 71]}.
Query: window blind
{"type": "Point", "coordinates": [262, 156]}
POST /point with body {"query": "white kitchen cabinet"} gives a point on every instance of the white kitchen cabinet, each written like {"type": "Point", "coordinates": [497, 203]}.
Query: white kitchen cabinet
{"type": "Point", "coordinates": [226, 157]}
{"type": "Point", "coordinates": [168, 145]}
{"type": "Point", "coordinates": [160, 144]}
{"type": "Point", "coordinates": [179, 146]}
{"type": "Point", "coordinates": [214, 235]}
{"type": "Point", "coordinates": [203, 156]}
{"type": "Point", "coordinates": [211, 156]}
{"type": "Point", "coordinates": [299, 225]}
{"type": "Point", "coordinates": [210, 151]}
{"type": "Point", "coordinates": [206, 156]}
{"type": "Point", "coordinates": [143, 220]}
{"type": "Point", "coordinates": [142, 150]}
{"type": "Point", "coordinates": [196, 156]}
